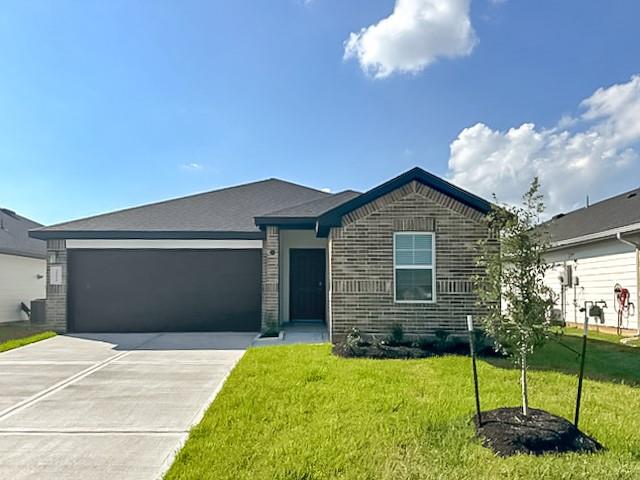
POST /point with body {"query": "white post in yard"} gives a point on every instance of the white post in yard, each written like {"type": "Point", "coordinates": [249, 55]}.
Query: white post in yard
{"type": "Point", "coordinates": [473, 363]}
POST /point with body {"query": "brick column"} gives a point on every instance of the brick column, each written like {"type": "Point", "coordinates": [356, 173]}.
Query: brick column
{"type": "Point", "coordinates": [56, 303]}
{"type": "Point", "coordinates": [270, 280]}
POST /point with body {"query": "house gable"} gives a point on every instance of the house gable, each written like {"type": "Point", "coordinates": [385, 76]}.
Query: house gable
{"type": "Point", "coordinates": [413, 222]}
{"type": "Point", "coordinates": [437, 188]}
{"type": "Point", "coordinates": [362, 263]}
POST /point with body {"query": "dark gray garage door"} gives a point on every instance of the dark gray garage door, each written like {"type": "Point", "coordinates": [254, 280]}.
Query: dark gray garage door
{"type": "Point", "coordinates": [164, 290]}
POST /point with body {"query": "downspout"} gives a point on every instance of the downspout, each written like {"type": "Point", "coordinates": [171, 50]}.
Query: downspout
{"type": "Point", "coordinates": [637, 248]}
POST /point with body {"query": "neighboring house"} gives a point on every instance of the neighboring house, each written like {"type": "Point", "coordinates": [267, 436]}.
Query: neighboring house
{"type": "Point", "coordinates": [22, 265]}
{"type": "Point", "coordinates": [595, 249]}
{"type": "Point", "coordinates": [254, 256]}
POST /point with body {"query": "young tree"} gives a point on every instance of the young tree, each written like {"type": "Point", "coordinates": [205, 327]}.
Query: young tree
{"type": "Point", "coordinates": [511, 289]}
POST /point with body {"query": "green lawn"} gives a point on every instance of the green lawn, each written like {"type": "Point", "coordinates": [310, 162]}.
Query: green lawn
{"type": "Point", "coordinates": [297, 412]}
{"type": "Point", "coordinates": [14, 336]}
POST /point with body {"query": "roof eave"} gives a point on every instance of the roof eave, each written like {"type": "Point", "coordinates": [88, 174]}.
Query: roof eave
{"type": "Point", "coordinates": [595, 237]}
{"type": "Point", "coordinates": [145, 234]}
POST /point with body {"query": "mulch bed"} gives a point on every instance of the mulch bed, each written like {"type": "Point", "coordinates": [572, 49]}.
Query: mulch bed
{"type": "Point", "coordinates": [507, 432]}
{"type": "Point", "coordinates": [379, 351]}
{"type": "Point", "coordinates": [390, 351]}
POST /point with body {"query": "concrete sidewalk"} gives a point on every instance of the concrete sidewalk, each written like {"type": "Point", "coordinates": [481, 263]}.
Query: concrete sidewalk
{"type": "Point", "coordinates": [107, 406]}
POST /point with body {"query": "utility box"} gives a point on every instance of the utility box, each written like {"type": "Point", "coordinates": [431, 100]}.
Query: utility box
{"type": "Point", "coordinates": [567, 276]}
{"type": "Point", "coordinates": [38, 310]}
{"type": "Point", "coordinates": [595, 311]}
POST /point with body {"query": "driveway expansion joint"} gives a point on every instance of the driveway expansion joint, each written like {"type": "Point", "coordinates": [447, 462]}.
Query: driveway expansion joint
{"type": "Point", "coordinates": [58, 386]}
{"type": "Point", "coordinates": [68, 381]}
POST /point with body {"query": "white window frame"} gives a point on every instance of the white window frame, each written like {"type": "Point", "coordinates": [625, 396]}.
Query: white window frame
{"type": "Point", "coordinates": [432, 267]}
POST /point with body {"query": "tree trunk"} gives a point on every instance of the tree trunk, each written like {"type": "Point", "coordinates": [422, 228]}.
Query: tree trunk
{"type": "Point", "coordinates": [523, 381]}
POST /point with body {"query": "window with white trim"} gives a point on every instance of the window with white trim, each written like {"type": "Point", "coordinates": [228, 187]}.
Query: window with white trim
{"type": "Point", "coordinates": [414, 266]}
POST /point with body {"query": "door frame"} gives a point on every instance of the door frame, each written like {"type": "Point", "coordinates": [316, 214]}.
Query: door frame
{"type": "Point", "coordinates": [291, 285]}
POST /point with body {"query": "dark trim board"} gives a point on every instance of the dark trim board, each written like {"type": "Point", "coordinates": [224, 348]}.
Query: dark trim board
{"type": "Point", "coordinates": [298, 222]}
{"type": "Point", "coordinates": [144, 290]}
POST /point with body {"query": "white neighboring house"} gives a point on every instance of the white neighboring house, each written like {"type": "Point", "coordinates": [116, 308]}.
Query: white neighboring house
{"type": "Point", "coordinates": [594, 250]}
{"type": "Point", "coordinates": [22, 266]}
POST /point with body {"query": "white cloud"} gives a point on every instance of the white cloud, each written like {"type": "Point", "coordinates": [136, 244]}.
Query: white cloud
{"type": "Point", "coordinates": [192, 166]}
{"type": "Point", "coordinates": [594, 153]}
{"type": "Point", "coordinates": [326, 190]}
{"type": "Point", "coordinates": [416, 34]}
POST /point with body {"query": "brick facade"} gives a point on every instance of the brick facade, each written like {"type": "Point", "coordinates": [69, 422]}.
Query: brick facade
{"type": "Point", "coordinates": [362, 285]}
{"type": "Point", "coordinates": [270, 280]}
{"type": "Point", "coordinates": [56, 303]}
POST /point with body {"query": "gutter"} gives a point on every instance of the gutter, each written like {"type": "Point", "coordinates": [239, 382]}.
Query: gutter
{"type": "Point", "coordinates": [637, 248]}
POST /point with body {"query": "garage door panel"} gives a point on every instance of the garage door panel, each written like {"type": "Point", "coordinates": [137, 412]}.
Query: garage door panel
{"type": "Point", "coordinates": [164, 290]}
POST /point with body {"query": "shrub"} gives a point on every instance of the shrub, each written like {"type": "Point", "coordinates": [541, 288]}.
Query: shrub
{"type": "Point", "coordinates": [424, 343]}
{"type": "Point", "coordinates": [442, 340]}
{"type": "Point", "coordinates": [397, 334]}
{"type": "Point", "coordinates": [484, 343]}
{"type": "Point", "coordinates": [270, 331]}
{"type": "Point", "coordinates": [272, 327]}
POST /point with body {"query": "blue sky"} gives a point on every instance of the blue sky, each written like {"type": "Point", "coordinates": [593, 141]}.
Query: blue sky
{"type": "Point", "coordinates": [108, 104]}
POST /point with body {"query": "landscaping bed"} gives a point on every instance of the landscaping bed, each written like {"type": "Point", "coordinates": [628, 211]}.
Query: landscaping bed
{"type": "Point", "coordinates": [381, 350]}
{"type": "Point", "coordinates": [507, 431]}
{"type": "Point", "coordinates": [396, 347]}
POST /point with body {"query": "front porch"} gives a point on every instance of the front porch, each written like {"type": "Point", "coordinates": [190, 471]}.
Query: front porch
{"type": "Point", "coordinates": [295, 333]}
{"type": "Point", "coordinates": [295, 279]}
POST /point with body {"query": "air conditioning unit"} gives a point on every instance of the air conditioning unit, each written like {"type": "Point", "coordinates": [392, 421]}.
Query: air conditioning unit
{"type": "Point", "coordinates": [556, 318]}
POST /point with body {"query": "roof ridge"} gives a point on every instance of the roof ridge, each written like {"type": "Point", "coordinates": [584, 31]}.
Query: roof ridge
{"type": "Point", "coordinates": [169, 200]}
{"type": "Point", "coordinates": [299, 185]}
{"type": "Point", "coordinates": [330, 195]}
{"type": "Point", "coordinates": [619, 195]}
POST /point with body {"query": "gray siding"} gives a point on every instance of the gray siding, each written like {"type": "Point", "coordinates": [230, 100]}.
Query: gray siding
{"type": "Point", "coordinates": [599, 267]}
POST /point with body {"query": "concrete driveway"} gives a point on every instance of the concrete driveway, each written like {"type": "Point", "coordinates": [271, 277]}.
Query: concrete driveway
{"type": "Point", "coordinates": [107, 406]}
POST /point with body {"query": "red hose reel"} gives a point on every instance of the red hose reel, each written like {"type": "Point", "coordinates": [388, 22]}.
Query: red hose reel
{"type": "Point", "coordinates": [622, 304]}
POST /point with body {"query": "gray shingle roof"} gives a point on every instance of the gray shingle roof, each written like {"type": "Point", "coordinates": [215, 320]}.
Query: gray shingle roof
{"type": "Point", "coordinates": [314, 208]}
{"type": "Point", "coordinates": [617, 212]}
{"type": "Point", "coordinates": [14, 236]}
{"type": "Point", "coordinates": [228, 210]}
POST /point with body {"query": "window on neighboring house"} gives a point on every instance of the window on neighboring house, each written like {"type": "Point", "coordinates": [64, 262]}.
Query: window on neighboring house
{"type": "Point", "coordinates": [414, 265]}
